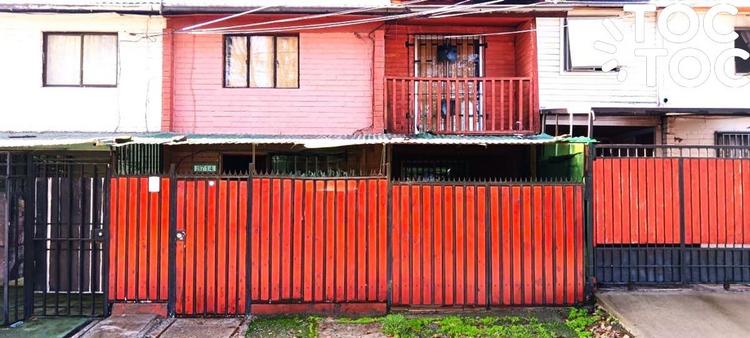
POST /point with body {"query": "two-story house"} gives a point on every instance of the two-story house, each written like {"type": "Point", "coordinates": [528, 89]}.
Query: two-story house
{"type": "Point", "coordinates": [439, 89]}
{"type": "Point", "coordinates": [450, 90]}
{"type": "Point", "coordinates": [647, 73]}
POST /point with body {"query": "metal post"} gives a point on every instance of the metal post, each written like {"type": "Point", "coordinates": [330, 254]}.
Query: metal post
{"type": "Point", "coordinates": [248, 233]}
{"type": "Point", "coordinates": [107, 205]}
{"type": "Point", "coordinates": [487, 246]}
{"type": "Point", "coordinates": [28, 239]}
{"type": "Point", "coordinates": [172, 259]}
{"type": "Point", "coordinates": [589, 214]}
{"type": "Point", "coordinates": [680, 182]}
{"type": "Point", "coordinates": [389, 224]}
{"type": "Point", "coordinates": [6, 244]}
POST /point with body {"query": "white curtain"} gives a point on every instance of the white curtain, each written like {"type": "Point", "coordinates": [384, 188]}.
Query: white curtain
{"type": "Point", "coordinates": [63, 60]}
{"type": "Point", "coordinates": [287, 69]}
{"type": "Point", "coordinates": [236, 63]}
{"type": "Point", "coordinates": [582, 36]}
{"type": "Point", "coordinates": [261, 61]}
{"type": "Point", "coordinates": [100, 60]}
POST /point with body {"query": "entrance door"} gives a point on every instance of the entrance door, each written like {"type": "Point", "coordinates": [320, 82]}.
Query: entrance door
{"type": "Point", "coordinates": [211, 242]}
{"type": "Point", "coordinates": [444, 64]}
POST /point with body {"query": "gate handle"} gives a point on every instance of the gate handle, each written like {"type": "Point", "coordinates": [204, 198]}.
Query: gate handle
{"type": "Point", "coordinates": [180, 235]}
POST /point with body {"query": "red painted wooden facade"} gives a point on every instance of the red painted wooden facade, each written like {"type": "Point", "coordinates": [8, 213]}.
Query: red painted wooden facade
{"type": "Point", "coordinates": [636, 201]}
{"type": "Point", "coordinates": [343, 74]}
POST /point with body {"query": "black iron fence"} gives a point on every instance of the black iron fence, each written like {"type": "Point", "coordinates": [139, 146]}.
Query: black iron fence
{"type": "Point", "coordinates": [55, 215]}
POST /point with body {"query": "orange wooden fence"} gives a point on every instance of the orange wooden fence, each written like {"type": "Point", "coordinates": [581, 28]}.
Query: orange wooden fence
{"type": "Point", "coordinates": [319, 240]}
{"type": "Point", "coordinates": [474, 244]}
{"type": "Point", "coordinates": [139, 240]}
{"type": "Point", "coordinates": [637, 200]}
{"type": "Point", "coordinates": [295, 241]}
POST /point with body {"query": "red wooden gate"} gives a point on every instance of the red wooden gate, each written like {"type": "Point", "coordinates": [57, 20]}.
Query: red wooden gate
{"type": "Point", "coordinates": [480, 244]}
{"type": "Point", "coordinates": [318, 241]}
{"type": "Point", "coordinates": [210, 255]}
{"type": "Point", "coordinates": [665, 214]}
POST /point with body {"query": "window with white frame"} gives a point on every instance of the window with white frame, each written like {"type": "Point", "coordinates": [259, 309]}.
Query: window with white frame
{"type": "Point", "coordinates": [261, 61]}
{"type": "Point", "coordinates": [80, 59]}
{"type": "Point", "coordinates": [743, 42]}
{"type": "Point", "coordinates": [580, 37]}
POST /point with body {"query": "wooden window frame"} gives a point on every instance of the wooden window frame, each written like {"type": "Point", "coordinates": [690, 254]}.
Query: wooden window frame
{"type": "Point", "coordinates": [80, 84]}
{"type": "Point", "coordinates": [226, 37]}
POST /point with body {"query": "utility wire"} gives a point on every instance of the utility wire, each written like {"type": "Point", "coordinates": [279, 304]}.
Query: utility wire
{"type": "Point", "coordinates": [316, 16]}
{"type": "Point", "coordinates": [225, 18]}
{"type": "Point", "coordinates": [334, 24]}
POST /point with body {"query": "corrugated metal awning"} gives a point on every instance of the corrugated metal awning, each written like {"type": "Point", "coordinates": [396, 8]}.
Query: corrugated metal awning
{"type": "Point", "coordinates": [51, 140]}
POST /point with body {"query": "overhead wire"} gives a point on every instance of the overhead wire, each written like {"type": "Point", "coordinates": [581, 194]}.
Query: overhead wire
{"type": "Point", "coordinates": [203, 24]}
{"type": "Point", "coordinates": [333, 24]}
{"type": "Point", "coordinates": [316, 16]}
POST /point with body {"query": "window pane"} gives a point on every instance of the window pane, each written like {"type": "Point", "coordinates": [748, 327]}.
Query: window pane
{"type": "Point", "coordinates": [100, 60]}
{"type": "Point", "coordinates": [742, 42]}
{"type": "Point", "coordinates": [288, 63]}
{"type": "Point", "coordinates": [236, 63]}
{"type": "Point", "coordinates": [261, 61]}
{"type": "Point", "coordinates": [583, 35]}
{"type": "Point", "coordinates": [63, 60]}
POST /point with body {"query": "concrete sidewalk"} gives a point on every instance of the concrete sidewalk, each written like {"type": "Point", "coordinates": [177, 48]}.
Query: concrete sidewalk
{"type": "Point", "coordinates": [697, 312]}
{"type": "Point", "coordinates": [146, 325]}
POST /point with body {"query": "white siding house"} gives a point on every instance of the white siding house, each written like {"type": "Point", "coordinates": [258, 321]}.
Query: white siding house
{"type": "Point", "coordinates": [578, 91]}
{"type": "Point", "coordinates": [130, 67]}
{"type": "Point", "coordinates": [679, 113]}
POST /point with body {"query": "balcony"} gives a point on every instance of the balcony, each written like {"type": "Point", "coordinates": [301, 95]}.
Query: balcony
{"type": "Point", "coordinates": [464, 105]}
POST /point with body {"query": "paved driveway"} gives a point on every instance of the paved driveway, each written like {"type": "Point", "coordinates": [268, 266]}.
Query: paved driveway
{"type": "Point", "coordinates": [697, 312]}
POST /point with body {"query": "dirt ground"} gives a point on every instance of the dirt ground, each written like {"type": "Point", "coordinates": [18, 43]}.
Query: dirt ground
{"type": "Point", "coordinates": [329, 327]}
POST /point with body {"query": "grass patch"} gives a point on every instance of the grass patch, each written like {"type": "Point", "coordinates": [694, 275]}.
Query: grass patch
{"type": "Point", "coordinates": [577, 322]}
{"type": "Point", "coordinates": [398, 325]}
{"type": "Point", "coordinates": [283, 326]}
{"type": "Point", "coordinates": [580, 320]}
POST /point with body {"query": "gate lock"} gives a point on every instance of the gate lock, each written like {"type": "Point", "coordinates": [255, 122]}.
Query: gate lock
{"type": "Point", "coordinates": [180, 235]}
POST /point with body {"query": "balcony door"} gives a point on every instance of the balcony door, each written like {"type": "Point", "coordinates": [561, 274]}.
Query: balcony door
{"type": "Point", "coordinates": [446, 98]}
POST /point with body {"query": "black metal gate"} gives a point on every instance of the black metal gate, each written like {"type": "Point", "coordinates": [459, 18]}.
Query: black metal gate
{"type": "Point", "coordinates": [55, 212]}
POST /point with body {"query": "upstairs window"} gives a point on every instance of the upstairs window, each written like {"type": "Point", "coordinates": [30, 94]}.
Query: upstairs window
{"type": "Point", "coordinates": [261, 61]}
{"type": "Point", "coordinates": [743, 42]}
{"type": "Point", "coordinates": [580, 35]}
{"type": "Point", "coordinates": [80, 59]}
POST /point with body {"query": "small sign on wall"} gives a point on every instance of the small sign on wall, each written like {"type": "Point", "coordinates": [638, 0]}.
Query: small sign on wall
{"type": "Point", "coordinates": [205, 168]}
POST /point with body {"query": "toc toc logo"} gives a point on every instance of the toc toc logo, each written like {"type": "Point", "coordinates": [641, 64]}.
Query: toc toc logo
{"type": "Point", "coordinates": [680, 24]}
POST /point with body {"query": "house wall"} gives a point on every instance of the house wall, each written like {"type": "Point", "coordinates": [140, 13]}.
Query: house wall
{"type": "Point", "coordinates": [579, 91]}
{"type": "Point", "coordinates": [336, 94]}
{"type": "Point", "coordinates": [711, 93]}
{"type": "Point", "coordinates": [500, 54]}
{"type": "Point", "coordinates": [134, 105]}
{"type": "Point", "coordinates": [700, 130]}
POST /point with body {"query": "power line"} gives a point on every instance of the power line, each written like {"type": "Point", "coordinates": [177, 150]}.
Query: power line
{"type": "Point", "coordinates": [316, 16]}
{"type": "Point", "coordinates": [334, 24]}
{"type": "Point", "coordinates": [226, 18]}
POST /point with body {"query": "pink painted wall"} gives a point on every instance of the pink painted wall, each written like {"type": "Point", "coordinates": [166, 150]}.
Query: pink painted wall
{"type": "Point", "coordinates": [336, 96]}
